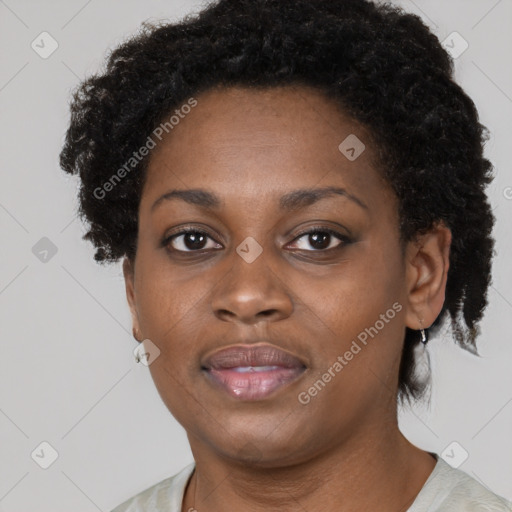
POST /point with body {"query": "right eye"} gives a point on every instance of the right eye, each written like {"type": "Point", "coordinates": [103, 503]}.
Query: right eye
{"type": "Point", "coordinates": [189, 240]}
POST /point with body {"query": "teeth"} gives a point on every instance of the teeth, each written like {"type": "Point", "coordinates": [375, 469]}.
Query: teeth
{"type": "Point", "coordinates": [247, 369]}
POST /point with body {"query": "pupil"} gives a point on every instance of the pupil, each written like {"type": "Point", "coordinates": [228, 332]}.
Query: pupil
{"type": "Point", "coordinates": [194, 240]}
{"type": "Point", "coordinates": [319, 240]}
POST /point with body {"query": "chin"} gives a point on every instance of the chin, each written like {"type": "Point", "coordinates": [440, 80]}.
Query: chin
{"type": "Point", "coordinates": [264, 443]}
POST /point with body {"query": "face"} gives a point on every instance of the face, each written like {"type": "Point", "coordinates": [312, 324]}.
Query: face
{"type": "Point", "coordinates": [280, 313]}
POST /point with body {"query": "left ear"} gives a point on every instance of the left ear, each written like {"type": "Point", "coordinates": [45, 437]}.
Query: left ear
{"type": "Point", "coordinates": [427, 261]}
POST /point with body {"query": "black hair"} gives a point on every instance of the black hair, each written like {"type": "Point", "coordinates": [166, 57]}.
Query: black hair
{"type": "Point", "coordinates": [382, 66]}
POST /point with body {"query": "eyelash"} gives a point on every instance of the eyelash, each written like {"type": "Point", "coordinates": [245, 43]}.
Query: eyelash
{"type": "Point", "coordinates": [344, 239]}
{"type": "Point", "coordinates": [315, 229]}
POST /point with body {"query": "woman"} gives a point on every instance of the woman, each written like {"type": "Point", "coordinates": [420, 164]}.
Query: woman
{"type": "Point", "coordinates": [297, 191]}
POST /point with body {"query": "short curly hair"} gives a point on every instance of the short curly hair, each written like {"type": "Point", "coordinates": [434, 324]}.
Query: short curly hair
{"type": "Point", "coordinates": [381, 65]}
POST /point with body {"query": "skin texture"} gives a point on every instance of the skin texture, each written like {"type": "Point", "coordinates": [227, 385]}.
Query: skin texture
{"type": "Point", "coordinates": [342, 451]}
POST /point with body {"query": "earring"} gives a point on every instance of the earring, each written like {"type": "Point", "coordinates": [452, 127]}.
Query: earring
{"type": "Point", "coordinates": [422, 361]}
{"type": "Point", "coordinates": [140, 354]}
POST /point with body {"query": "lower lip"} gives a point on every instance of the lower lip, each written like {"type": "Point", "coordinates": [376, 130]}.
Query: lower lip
{"type": "Point", "coordinates": [253, 385]}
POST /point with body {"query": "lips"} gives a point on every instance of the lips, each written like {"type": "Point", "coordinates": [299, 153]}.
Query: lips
{"type": "Point", "coordinates": [252, 372]}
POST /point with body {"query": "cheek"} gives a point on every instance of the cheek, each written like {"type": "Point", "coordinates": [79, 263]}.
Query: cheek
{"type": "Point", "coordinates": [165, 298]}
{"type": "Point", "coordinates": [351, 296]}
{"type": "Point", "coordinates": [357, 369]}
{"type": "Point", "coordinates": [361, 309]}
{"type": "Point", "coordinates": [170, 315]}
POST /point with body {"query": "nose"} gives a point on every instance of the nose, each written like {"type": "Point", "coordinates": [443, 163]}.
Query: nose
{"type": "Point", "coordinates": [250, 293]}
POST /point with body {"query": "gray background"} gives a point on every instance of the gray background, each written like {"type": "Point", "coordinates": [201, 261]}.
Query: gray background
{"type": "Point", "coordinates": [67, 371]}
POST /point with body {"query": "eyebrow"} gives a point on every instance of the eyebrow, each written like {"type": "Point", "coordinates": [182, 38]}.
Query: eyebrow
{"type": "Point", "coordinates": [291, 201]}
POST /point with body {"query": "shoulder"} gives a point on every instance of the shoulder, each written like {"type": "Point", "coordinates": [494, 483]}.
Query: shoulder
{"type": "Point", "coordinates": [451, 490]}
{"type": "Point", "coordinates": [166, 495]}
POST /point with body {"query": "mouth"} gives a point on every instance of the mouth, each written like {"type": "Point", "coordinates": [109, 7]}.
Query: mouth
{"type": "Point", "coordinates": [252, 372]}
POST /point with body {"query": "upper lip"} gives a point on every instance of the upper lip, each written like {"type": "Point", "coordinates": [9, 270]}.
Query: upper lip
{"type": "Point", "coordinates": [251, 355]}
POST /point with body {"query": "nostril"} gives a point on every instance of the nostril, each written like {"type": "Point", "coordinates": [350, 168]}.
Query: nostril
{"type": "Point", "coordinates": [268, 312]}
{"type": "Point", "coordinates": [224, 313]}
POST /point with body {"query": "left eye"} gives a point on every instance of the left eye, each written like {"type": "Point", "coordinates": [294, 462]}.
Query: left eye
{"type": "Point", "coordinates": [320, 239]}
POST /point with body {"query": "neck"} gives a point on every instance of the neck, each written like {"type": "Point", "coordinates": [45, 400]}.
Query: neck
{"type": "Point", "coordinates": [380, 471]}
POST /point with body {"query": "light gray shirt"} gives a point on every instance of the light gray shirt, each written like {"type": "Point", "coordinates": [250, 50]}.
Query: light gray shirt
{"type": "Point", "coordinates": [446, 490]}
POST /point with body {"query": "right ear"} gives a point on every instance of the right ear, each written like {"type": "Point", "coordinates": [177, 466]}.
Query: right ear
{"type": "Point", "coordinates": [129, 281]}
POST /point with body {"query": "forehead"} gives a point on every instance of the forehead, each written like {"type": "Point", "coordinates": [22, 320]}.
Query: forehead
{"type": "Point", "coordinates": [257, 140]}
